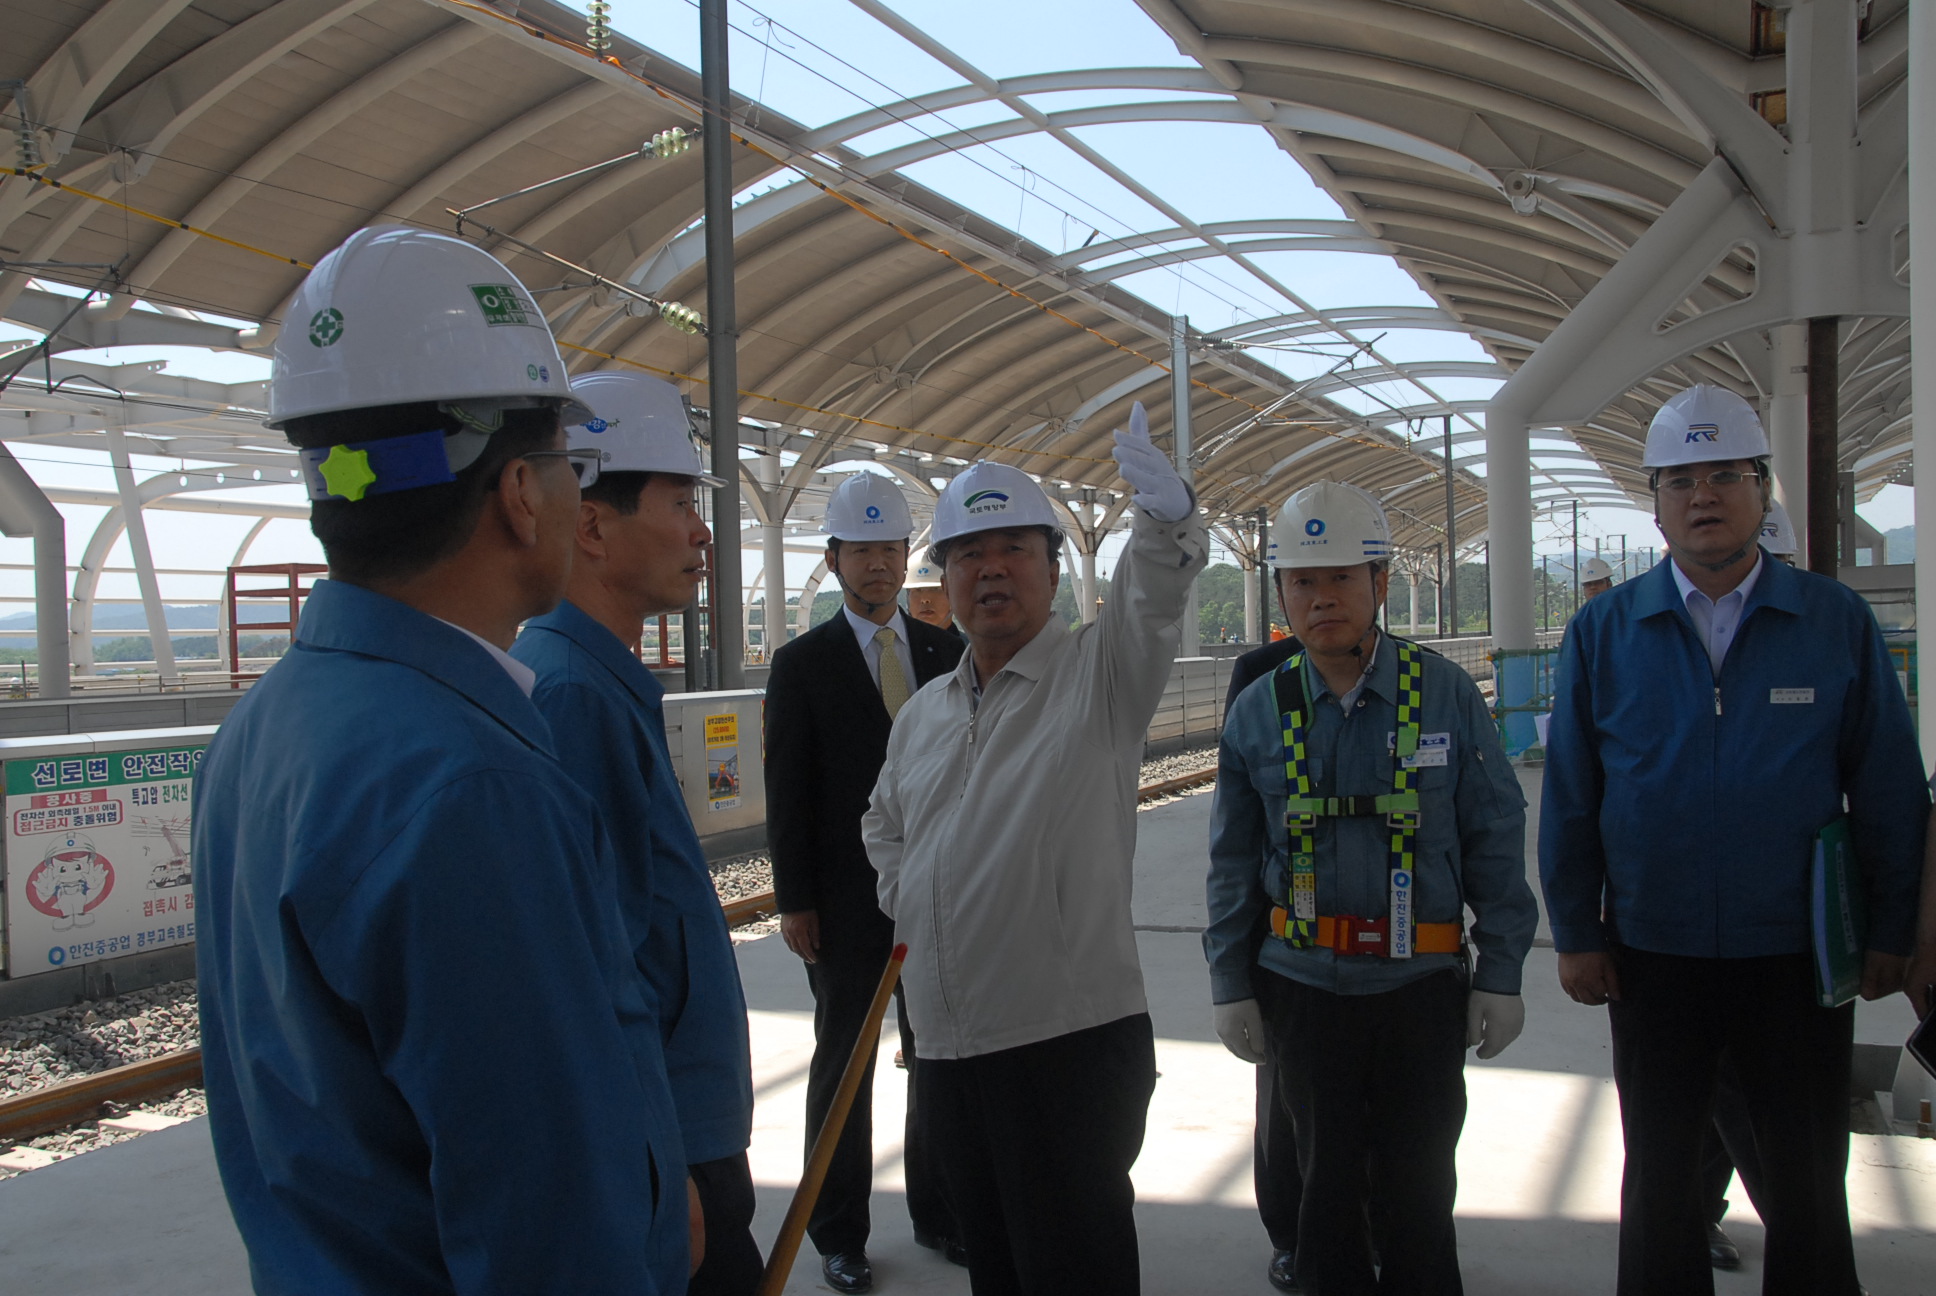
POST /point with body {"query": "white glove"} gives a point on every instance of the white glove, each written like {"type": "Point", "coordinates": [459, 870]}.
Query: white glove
{"type": "Point", "coordinates": [1240, 1026]}
{"type": "Point", "coordinates": [1492, 1021]}
{"type": "Point", "coordinates": [1160, 492]}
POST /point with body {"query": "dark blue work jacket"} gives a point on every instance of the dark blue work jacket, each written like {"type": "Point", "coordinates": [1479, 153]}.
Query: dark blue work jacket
{"type": "Point", "coordinates": [1680, 808]}
{"type": "Point", "coordinates": [605, 709]}
{"type": "Point", "coordinates": [431, 1064]}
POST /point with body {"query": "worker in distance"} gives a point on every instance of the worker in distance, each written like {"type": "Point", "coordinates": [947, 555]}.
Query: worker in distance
{"type": "Point", "coordinates": [1363, 805]}
{"type": "Point", "coordinates": [640, 551]}
{"type": "Point", "coordinates": [927, 600]}
{"type": "Point", "coordinates": [1002, 828]}
{"type": "Point", "coordinates": [1710, 720]}
{"type": "Point", "coordinates": [410, 939]}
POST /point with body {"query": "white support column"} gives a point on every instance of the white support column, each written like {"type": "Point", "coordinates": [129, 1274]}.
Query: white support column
{"type": "Point", "coordinates": [1252, 632]}
{"type": "Point", "coordinates": [773, 550]}
{"type": "Point", "coordinates": [1411, 603]}
{"type": "Point", "coordinates": [159, 641]}
{"type": "Point", "coordinates": [1086, 594]}
{"type": "Point", "coordinates": [1509, 523]}
{"type": "Point", "coordinates": [1787, 422]}
{"type": "Point", "coordinates": [1191, 642]}
{"type": "Point", "coordinates": [1922, 296]}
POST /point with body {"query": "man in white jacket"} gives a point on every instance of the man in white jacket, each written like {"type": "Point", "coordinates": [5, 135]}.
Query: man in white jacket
{"type": "Point", "coordinates": [1003, 827]}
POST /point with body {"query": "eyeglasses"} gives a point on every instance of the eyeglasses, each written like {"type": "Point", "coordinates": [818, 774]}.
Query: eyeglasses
{"type": "Point", "coordinates": [584, 463]}
{"type": "Point", "coordinates": [1717, 479]}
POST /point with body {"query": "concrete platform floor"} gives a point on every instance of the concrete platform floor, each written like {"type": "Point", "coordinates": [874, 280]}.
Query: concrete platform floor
{"type": "Point", "coordinates": [1539, 1164]}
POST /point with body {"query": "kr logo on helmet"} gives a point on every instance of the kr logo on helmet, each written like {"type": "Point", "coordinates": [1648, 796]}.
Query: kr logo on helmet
{"type": "Point", "coordinates": [1702, 432]}
{"type": "Point", "coordinates": [596, 425]}
{"type": "Point", "coordinates": [988, 501]}
{"type": "Point", "coordinates": [873, 512]}
{"type": "Point", "coordinates": [1315, 527]}
{"type": "Point", "coordinates": [325, 327]}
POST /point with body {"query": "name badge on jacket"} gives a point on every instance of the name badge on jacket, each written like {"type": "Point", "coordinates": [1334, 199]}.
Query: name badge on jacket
{"type": "Point", "coordinates": [1791, 697]}
{"type": "Point", "coordinates": [1433, 750]}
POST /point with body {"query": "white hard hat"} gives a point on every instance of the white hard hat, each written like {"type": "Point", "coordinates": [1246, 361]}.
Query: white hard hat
{"type": "Point", "coordinates": [867, 506]}
{"type": "Point", "coordinates": [1778, 532]}
{"type": "Point", "coordinates": [398, 316]}
{"type": "Point", "coordinates": [1329, 524]}
{"type": "Point", "coordinates": [642, 426]}
{"type": "Point", "coordinates": [923, 576]}
{"type": "Point", "coordinates": [987, 496]}
{"type": "Point", "coordinates": [1703, 424]}
{"type": "Point", "coordinates": [1595, 569]}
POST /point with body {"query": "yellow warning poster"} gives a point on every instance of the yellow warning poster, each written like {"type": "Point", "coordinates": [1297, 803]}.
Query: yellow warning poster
{"type": "Point", "coordinates": [722, 762]}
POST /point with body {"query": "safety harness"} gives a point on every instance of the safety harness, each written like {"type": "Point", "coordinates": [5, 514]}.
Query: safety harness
{"type": "Point", "coordinates": [1297, 921]}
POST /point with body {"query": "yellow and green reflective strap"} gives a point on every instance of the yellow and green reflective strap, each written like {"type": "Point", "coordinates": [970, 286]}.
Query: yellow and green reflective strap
{"type": "Point", "coordinates": [1301, 904]}
{"type": "Point", "coordinates": [1403, 817]}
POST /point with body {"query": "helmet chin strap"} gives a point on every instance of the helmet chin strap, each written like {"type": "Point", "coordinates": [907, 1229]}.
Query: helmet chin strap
{"type": "Point", "coordinates": [871, 607]}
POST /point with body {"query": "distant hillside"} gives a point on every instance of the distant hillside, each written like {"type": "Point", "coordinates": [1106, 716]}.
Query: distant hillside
{"type": "Point", "coordinates": [1901, 543]}
{"type": "Point", "coordinates": [180, 616]}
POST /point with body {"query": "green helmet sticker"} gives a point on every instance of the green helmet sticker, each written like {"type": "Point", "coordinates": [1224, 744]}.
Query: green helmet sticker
{"type": "Point", "coordinates": [347, 472]}
{"type": "Point", "coordinates": [504, 304]}
{"type": "Point", "coordinates": [325, 327]}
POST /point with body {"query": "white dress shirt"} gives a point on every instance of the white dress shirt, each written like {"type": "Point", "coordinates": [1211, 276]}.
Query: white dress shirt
{"type": "Point", "coordinates": [1717, 622]}
{"type": "Point", "coordinates": [1003, 830]}
{"type": "Point", "coordinates": [523, 676]}
{"type": "Point", "coordinates": [865, 630]}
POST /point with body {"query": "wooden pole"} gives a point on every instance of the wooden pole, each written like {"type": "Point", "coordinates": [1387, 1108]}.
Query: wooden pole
{"type": "Point", "coordinates": [779, 1264]}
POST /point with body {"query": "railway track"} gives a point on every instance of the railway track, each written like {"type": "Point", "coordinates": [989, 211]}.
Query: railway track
{"type": "Point", "coordinates": [83, 1098]}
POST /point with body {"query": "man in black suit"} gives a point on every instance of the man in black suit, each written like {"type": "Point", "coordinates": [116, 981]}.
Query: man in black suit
{"type": "Point", "coordinates": [830, 703]}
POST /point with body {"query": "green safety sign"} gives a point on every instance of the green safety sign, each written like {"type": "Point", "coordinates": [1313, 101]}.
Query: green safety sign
{"type": "Point", "coordinates": [325, 327]}
{"type": "Point", "coordinates": [503, 304]}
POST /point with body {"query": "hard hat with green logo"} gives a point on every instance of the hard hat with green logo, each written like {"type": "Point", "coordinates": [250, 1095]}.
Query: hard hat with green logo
{"type": "Point", "coordinates": [1329, 524]}
{"type": "Point", "coordinates": [1704, 424]}
{"type": "Point", "coordinates": [642, 425]}
{"type": "Point", "coordinates": [867, 506]}
{"type": "Point", "coordinates": [987, 496]}
{"type": "Point", "coordinates": [399, 316]}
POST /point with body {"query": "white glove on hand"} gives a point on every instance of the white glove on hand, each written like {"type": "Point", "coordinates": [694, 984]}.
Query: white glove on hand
{"type": "Point", "coordinates": [1492, 1021]}
{"type": "Point", "coordinates": [1160, 492]}
{"type": "Point", "coordinates": [1240, 1026]}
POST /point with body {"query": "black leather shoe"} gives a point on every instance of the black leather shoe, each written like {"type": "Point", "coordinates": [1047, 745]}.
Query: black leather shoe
{"type": "Point", "coordinates": [1722, 1253]}
{"type": "Point", "coordinates": [950, 1248]}
{"type": "Point", "coordinates": [848, 1271]}
{"type": "Point", "coordinates": [1283, 1271]}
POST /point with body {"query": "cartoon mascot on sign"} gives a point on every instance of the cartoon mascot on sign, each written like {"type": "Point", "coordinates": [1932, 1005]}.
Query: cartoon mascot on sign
{"type": "Point", "coordinates": [69, 881]}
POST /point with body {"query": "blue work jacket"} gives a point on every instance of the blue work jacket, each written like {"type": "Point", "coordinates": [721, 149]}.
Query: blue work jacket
{"type": "Point", "coordinates": [605, 711]}
{"type": "Point", "coordinates": [1471, 851]}
{"type": "Point", "coordinates": [1680, 809]}
{"type": "Point", "coordinates": [431, 1064]}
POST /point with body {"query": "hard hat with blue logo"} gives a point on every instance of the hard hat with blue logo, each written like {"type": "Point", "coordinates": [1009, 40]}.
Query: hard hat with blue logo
{"type": "Point", "coordinates": [1704, 424]}
{"type": "Point", "coordinates": [1778, 532]}
{"type": "Point", "coordinates": [642, 425]}
{"type": "Point", "coordinates": [988, 496]}
{"type": "Point", "coordinates": [1329, 524]}
{"type": "Point", "coordinates": [867, 506]}
{"type": "Point", "coordinates": [1596, 569]}
{"type": "Point", "coordinates": [924, 575]}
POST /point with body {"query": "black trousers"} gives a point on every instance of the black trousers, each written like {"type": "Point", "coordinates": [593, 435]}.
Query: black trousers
{"type": "Point", "coordinates": [1679, 1024]}
{"type": "Point", "coordinates": [1376, 1088]}
{"type": "Point", "coordinates": [1727, 1145]}
{"type": "Point", "coordinates": [843, 983]}
{"type": "Point", "coordinates": [1036, 1143]}
{"type": "Point", "coordinates": [1274, 1170]}
{"type": "Point", "coordinates": [732, 1266]}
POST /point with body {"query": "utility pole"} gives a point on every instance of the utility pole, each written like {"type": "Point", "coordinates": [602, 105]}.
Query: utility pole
{"type": "Point", "coordinates": [722, 341]}
{"type": "Point", "coordinates": [1545, 596]}
{"type": "Point", "coordinates": [1438, 599]}
{"type": "Point", "coordinates": [1451, 533]}
{"type": "Point", "coordinates": [1576, 555]}
{"type": "Point", "coordinates": [1191, 642]}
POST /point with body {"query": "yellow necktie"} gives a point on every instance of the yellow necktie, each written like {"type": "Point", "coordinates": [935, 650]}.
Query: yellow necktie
{"type": "Point", "coordinates": [894, 684]}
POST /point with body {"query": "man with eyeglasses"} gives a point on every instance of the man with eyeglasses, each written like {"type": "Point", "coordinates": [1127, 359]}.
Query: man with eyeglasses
{"type": "Point", "coordinates": [1710, 719]}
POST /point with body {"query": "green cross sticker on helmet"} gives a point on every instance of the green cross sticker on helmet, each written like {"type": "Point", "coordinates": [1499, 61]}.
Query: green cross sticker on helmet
{"type": "Point", "coordinates": [503, 304]}
{"type": "Point", "coordinates": [325, 326]}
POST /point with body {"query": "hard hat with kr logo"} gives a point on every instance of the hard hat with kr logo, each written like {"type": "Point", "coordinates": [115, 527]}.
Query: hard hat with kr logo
{"type": "Point", "coordinates": [923, 576]}
{"type": "Point", "coordinates": [1778, 532]}
{"type": "Point", "coordinates": [1329, 524]}
{"type": "Point", "coordinates": [1701, 425]}
{"type": "Point", "coordinates": [987, 496]}
{"type": "Point", "coordinates": [867, 506]}
{"type": "Point", "coordinates": [642, 425]}
{"type": "Point", "coordinates": [1596, 569]}
{"type": "Point", "coordinates": [399, 316]}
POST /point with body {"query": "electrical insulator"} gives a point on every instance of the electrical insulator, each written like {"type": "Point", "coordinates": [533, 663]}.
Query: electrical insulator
{"type": "Point", "coordinates": [29, 144]}
{"type": "Point", "coordinates": [668, 142]}
{"type": "Point", "coordinates": [598, 36]}
{"type": "Point", "coordinates": [683, 318]}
